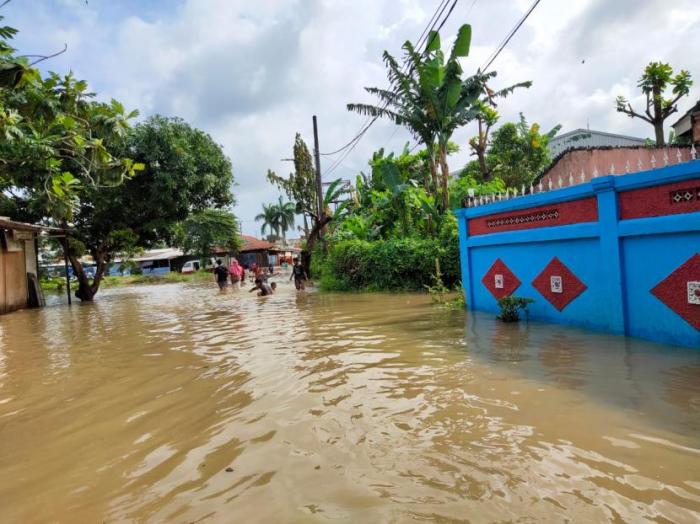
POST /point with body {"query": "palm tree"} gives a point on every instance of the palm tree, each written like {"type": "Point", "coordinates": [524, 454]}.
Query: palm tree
{"type": "Point", "coordinates": [285, 217]}
{"type": "Point", "coordinates": [270, 219]}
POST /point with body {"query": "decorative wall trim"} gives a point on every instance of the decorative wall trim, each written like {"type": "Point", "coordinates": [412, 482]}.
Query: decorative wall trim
{"type": "Point", "coordinates": [563, 213]}
{"type": "Point", "coordinates": [664, 199]}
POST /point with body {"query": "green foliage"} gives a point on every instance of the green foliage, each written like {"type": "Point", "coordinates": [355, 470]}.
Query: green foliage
{"type": "Point", "coordinates": [204, 230]}
{"type": "Point", "coordinates": [57, 143]}
{"type": "Point", "coordinates": [438, 290]}
{"type": "Point", "coordinates": [511, 307]}
{"type": "Point", "coordinates": [657, 78]}
{"type": "Point", "coordinates": [300, 186]}
{"type": "Point", "coordinates": [466, 185]}
{"type": "Point", "coordinates": [519, 152]}
{"type": "Point", "coordinates": [431, 99]}
{"type": "Point", "coordinates": [186, 173]}
{"type": "Point", "coordinates": [277, 218]}
{"type": "Point", "coordinates": [397, 264]}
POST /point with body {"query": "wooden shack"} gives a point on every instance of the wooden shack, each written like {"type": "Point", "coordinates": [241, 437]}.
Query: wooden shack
{"type": "Point", "coordinates": [19, 265]}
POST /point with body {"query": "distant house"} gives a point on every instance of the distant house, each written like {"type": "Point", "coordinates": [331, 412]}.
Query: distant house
{"type": "Point", "coordinates": [587, 138]}
{"type": "Point", "coordinates": [688, 126]}
{"type": "Point", "coordinates": [264, 253]}
{"type": "Point", "coordinates": [155, 261]}
{"type": "Point", "coordinates": [19, 286]}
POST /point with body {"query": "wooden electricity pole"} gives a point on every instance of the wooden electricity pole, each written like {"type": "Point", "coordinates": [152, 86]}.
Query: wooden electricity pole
{"type": "Point", "coordinates": [319, 184]}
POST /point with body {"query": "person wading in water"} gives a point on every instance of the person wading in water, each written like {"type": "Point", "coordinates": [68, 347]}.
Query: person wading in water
{"type": "Point", "coordinates": [221, 276]}
{"type": "Point", "coordinates": [298, 274]}
{"type": "Point", "coordinates": [263, 287]}
{"type": "Point", "coordinates": [235, 270]}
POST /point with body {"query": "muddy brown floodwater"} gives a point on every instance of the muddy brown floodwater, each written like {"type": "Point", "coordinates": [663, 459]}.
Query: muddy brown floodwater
{"type": "Point", "coordinates": [173, 403]}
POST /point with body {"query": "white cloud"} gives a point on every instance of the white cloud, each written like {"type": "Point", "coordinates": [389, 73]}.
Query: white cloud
{"type": "Point", "coordinates": [252, 73]}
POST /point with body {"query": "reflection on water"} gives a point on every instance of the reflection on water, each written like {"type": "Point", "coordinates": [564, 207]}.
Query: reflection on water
{"type": "Point", "coordinates": [175, 403]}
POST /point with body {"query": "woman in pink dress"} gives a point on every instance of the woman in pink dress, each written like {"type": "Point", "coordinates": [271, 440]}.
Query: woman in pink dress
{"type": "Point", "coordinates": [235, 271]}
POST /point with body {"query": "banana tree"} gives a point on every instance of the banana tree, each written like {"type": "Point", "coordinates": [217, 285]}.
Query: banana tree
{"type": "Point", "coordinates": [431, 99]}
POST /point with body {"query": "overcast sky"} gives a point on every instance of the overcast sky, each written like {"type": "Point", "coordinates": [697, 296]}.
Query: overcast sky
{"type": "Point", "coordinates": [253, 72]}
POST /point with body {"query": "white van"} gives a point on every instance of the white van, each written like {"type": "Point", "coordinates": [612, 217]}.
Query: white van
{"type": "Point", "coordinates": [190, 266]}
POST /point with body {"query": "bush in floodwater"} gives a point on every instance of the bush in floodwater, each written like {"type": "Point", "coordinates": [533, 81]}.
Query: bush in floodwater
{"type": "Point", "coordinates": [511, 307]}
{"type": "Point", "coordinates": [386, 265]}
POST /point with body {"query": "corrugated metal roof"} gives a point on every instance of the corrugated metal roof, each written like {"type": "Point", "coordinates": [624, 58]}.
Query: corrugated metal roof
{"type": "Point", "coordinates": [583, 138]}
{"type": "Point", "coordinates": [167, 253]}
{"type": "Point", "coordinates": [6, 223]}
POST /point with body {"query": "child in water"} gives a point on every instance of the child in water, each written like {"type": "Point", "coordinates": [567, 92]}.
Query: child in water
{"type": "Point", "coordinates": [263, 287]}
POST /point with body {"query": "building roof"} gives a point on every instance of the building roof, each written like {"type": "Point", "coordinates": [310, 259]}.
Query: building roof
{"type": "Point", "coordinates": [6, 223]}
{"type": "Point", "coordinates": [581, 131]}
{"type": "Point", "coordinates": [255, 244]}
{"type": "Point", "coordinates": [579, 138]}
{"type": "Point", "coordinates": [684, 123]}
{"type": "Point", "coordinates": [167, 253]}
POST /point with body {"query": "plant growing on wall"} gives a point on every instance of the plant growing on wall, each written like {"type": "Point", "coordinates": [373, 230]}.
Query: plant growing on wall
{"type": "Point", "coordinates": [656, 79]}
{"type": "Point", "coordinates": [511, 307]}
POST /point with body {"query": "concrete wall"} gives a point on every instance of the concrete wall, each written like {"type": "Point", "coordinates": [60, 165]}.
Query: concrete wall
{"type": "Point", "coordinates": [622, 160]}
{"type": "Point", "coordinates": [628, 266]}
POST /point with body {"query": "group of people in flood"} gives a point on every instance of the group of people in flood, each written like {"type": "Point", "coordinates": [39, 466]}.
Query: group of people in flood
{"type": "Point", "coordinates": [236, 273]}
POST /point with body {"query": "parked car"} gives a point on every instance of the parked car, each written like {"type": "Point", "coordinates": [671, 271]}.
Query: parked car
{"type": "Point", "coordinates": [190, 266]}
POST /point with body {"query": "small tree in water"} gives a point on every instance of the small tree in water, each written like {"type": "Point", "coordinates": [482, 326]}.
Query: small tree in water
{"type": "Point", "coordinates": [511, 307]}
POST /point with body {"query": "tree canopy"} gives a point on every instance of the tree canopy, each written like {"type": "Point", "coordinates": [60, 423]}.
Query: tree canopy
{"type": "Point", "coordinates": [56, 139]}
{"type": "Point", "coordinates": [657, 78]}
{"type": "Point", "coordinates": [186, 173]}
{"type": "Point", "coordinates": [204, 230]}
{"type": "Point", "coordinates": [432, 98]}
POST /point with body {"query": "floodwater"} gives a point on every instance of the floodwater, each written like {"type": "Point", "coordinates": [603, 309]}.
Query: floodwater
{"type": "Point", "coordinates": [174, 403]}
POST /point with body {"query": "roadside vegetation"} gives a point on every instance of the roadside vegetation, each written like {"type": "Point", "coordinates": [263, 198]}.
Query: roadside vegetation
{"type": "Point", "coordinates": [71, 161]}
{"type": "Point", "coordinates": [394, 225]}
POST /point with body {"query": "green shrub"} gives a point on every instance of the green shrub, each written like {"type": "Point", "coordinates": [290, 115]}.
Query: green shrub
{"type": "Point", "coordinates": [396, 264]}
{"type": "Point", "coordinates": [511, 306]}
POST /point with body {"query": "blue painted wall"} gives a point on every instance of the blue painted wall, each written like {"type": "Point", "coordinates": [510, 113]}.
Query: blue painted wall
{"type": "Point", "coordinates": [619, 261]}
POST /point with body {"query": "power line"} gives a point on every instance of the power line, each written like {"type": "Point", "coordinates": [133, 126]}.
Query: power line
{"type": "Point", "coordinates": [370, 120]}
{"type": "Point", "coordinates": [510, 35]}
{"type": "Point", "coordinates": [353, 143]}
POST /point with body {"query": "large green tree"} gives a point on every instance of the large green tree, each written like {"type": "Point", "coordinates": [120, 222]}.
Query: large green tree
{"type": "Point", "coordinates": [186, 173]}
{"type": "Point", "coordinates": [517, 153]}
{"type": "Point", "coordinates": [657, 78]}
{"type": "Point", "coordinates": [300, 186]}
{"type": "Point", "coordinates": [56, 141]}
{"type": "Point", "coordinates": [204, 230]}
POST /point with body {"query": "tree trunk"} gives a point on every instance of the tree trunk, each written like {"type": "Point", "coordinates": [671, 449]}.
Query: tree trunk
{"type": "Point", "coordinates": [434, 176]}
{"type": "Point", "coordinates": [445, 178]}
{"type": "Point", "coordinates": [86, 289]}
{"type": "Point", "coordinates": [481, 152]}
{"type": "Point", "coordinates": [314, 235]}
{"type": "Point", "coordinates": [659, 132]}
{"type": "Point", "coordinates": [658, 117]}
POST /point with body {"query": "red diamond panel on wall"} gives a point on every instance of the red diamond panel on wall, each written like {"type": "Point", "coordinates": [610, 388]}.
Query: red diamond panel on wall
{"type": "Point", "coordinates": [558, 284]}
{"type": "Point", "coordinates": [500, 280]}
{"type": "Point", "coordinates": [680, 291]}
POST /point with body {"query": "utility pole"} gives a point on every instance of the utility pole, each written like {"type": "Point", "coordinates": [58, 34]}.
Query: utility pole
{"type": "Point", "coordinates": [319, 184]}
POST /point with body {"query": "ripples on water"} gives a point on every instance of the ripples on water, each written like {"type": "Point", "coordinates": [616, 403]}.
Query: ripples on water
{"type": "Point", "coordinates": [363, 408]}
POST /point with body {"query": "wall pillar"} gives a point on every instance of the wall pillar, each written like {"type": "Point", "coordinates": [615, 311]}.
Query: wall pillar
{"type": "Point", "coordinates": [611, 270]}
{"type": "Point", "coordinates": [465, 260]}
